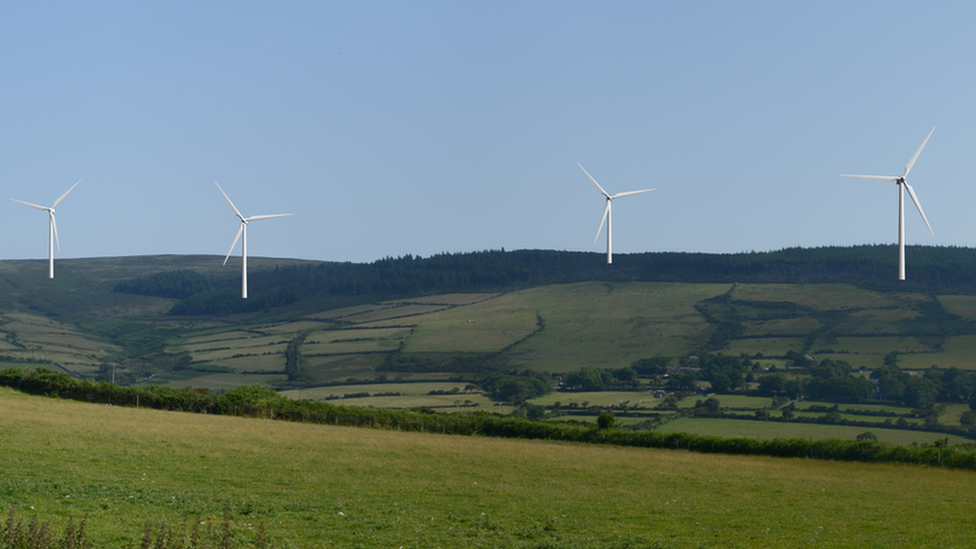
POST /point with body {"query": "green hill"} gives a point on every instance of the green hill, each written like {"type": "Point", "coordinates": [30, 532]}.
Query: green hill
{"type": "Point", "coordinates": [454, 316]}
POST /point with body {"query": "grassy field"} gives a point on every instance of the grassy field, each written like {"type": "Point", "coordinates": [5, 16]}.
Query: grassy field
{"type": "Point", "coordinates": [596, 325]}
{"type": "Point", "coordinates": [776, 429]}
{"type": "Point", "coordinates": [39, 338]}
{"type": "Point", "coordinates": [552, 329]}
{"type": "Point", "coordinates": [959, 305]}
{"type": "Point", "coordinates": [316, 486]}
{"type": "Point", "coordinates": [957, 352]}
{"type": "Point", "coordinates": [821, 297]}
{"type": "Point", "coordinates": [214, 381]}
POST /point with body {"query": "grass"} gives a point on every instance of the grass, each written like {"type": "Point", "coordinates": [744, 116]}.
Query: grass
{"type": "Point", "coordinates": [777, 429]}
{"type": "Point", "coordinates": [872, 345]}
{"type": "Point", "coordinates": [770, 346]}
{"type": "Point", "coordinates": [957, 352]}
{"type": "Point", "coordinates": [731, 401]}
{"type": "Point", "coordinates": [320, 486]}
{"type": "Point", "coordinates": [482, 327]}
{"type": "Point", "coordinates": [821, 297]}
{"type": "Point", "coordinates": [782, 327]}
{"type": "Point", "coordinates": [44, 339]}
{"type": "Point", "coordinates": [603, 399]}
{"type": "Point", "coordinates": [634, 320]}
{"type": "Point", "coordinates": [959, 305]}
{"type": "Point", "coordinates": [212, 381]}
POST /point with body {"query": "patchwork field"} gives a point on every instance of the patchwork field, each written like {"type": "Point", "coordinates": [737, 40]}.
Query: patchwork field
{"type": "Point", "coordinates": [30, 337]}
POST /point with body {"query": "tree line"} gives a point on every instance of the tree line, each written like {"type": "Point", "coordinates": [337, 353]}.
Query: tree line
{"type": "Point", "coordinates": [933, 269]}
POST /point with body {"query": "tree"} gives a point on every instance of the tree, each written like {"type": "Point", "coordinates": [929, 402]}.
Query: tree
{"type": "Point", "coordinates": [866, 435]}
{"type": "Point", "coordinates": [626, 375]}
{"type": "Point", "coordinates": [534, 411]}
{"type": "Point", "coordinates": [606, 421]}
{"type": "Point", "coordinates": [650, 367]}
{"type": "Point", "coordinates": [683, 381]}
{"type": "Point", "coordinates": [968, 418]}
{"type": "Point", "coordinates": [587, 379]}
{"type": "Point", "coordinates": [771, 385]}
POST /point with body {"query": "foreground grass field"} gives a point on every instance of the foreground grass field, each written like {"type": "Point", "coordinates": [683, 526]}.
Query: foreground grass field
{"type": "Point", "coordinates": [320, 486]}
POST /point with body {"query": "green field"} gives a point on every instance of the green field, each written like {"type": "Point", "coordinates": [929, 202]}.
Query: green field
{"type": "Point", "coordinates": [316, 486]}
{"type": "Point", "coordinates": [776, 429]}
{"type": "Point", "coordinates": [635, 320]}
{"type": "Point", "coordinates": [78, 324]}
{"type": "Point", "coordinates": [821, 297]}
{"type": "Point", "coordinates": [603, 399]}
{"type": "Point", "coordinates": [960, 305]}
{"type": "Point", "coordinates": [39, 338]}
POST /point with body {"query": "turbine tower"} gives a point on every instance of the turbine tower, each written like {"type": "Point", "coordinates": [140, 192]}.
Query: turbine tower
{"type": "Point", "coordinates": [242, 231]}
{"type": "Point", "coordinates": [606, 212]}
{"type": "Point", "coordinates": [52, 230]}
{"type": "Point", "coordinates": [903, 185]}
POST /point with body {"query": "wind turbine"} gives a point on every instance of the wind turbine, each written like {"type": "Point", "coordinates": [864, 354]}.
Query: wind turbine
{"type": "Point", "coordinates": [606, 212]}
{"type": "Point", "coordinates": [52, 236]}
{"type": "Point", "coordinates": [242, 230]}
{"type": "Point", "coordinates": [902, 186]}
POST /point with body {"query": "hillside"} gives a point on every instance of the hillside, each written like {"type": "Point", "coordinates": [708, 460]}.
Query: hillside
{"type": "Point", "coordinates": [430, 319]}
{"type": "Point", "coordinates": [321, 486]}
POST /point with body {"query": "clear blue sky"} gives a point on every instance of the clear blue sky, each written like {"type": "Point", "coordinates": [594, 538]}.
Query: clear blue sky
{"type": "Point", "coordinates": [390, 128]}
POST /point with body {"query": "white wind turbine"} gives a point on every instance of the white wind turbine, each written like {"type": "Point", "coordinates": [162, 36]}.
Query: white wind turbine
{"type": "Point", "coordinates": [902, 186]}
{"type": "Point", "coordinates": [606, 212]}
{"type": "Point", "coordinates": [52, 236]}
{"type": "Point", "coordinates": [242, 230]}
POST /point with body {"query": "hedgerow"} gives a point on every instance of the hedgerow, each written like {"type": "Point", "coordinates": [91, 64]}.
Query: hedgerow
{"type": "Point", "coordinates": [258, 402]}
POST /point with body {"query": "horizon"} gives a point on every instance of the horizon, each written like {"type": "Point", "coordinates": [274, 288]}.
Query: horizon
{"type": "Point", "coordinates": [597, 253]}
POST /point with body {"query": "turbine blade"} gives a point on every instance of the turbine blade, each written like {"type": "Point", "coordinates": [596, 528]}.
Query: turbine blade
{"type": "Point", "coordinates": [29, 204]}
{"type": "Point", "coordinates": [888, 178]}
{"type": "Point", "coordinates": [908, 167]}
{"type": "Point", "coordinates": [911, 193]}
{"type": "Point", "coordinates": [602, 219]}
{"type": "Point", "coordinates": [594, 182]}
{"type": "Point", "coordinates": [618, 195]}
{"type": "Point", "coordinates": [232, 206]}
{"type": "Point", "coordinates": [54, 228]}
{"type": "Point", "coordinates": [236, 236]}
{"type": "Point", "coordinates": [65, 194]}
{"type": "Point", "coordinates": [255, 217]}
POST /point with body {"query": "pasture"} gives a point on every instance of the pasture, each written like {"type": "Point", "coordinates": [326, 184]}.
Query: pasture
{"type": "Point", "coordinates": [315, 486]}
{"type": "Point", "coordinates": [820, 297]}
{"type": "Point", "coordinates": [957, 352]}
{"type": "Point", "coordinates": [960, 305]}
{"type": "Point", "coordinates": [450, 395]}
{"type": "Point", "coordinates": [39, 338]}
{"type": "Point", "coordinates": [775, 429]}
{"type": "Point", "coordinates": [594, 325]}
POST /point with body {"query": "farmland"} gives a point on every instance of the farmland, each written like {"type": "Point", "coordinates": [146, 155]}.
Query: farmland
{"type": "Point", "coordinates": [321, 486]}
{"type": "Point", "coordinates": [384, 350]}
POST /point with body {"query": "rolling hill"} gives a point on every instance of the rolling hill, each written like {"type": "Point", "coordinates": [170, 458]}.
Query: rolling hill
{"type": "Point", "coordinates": [415, 319]}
